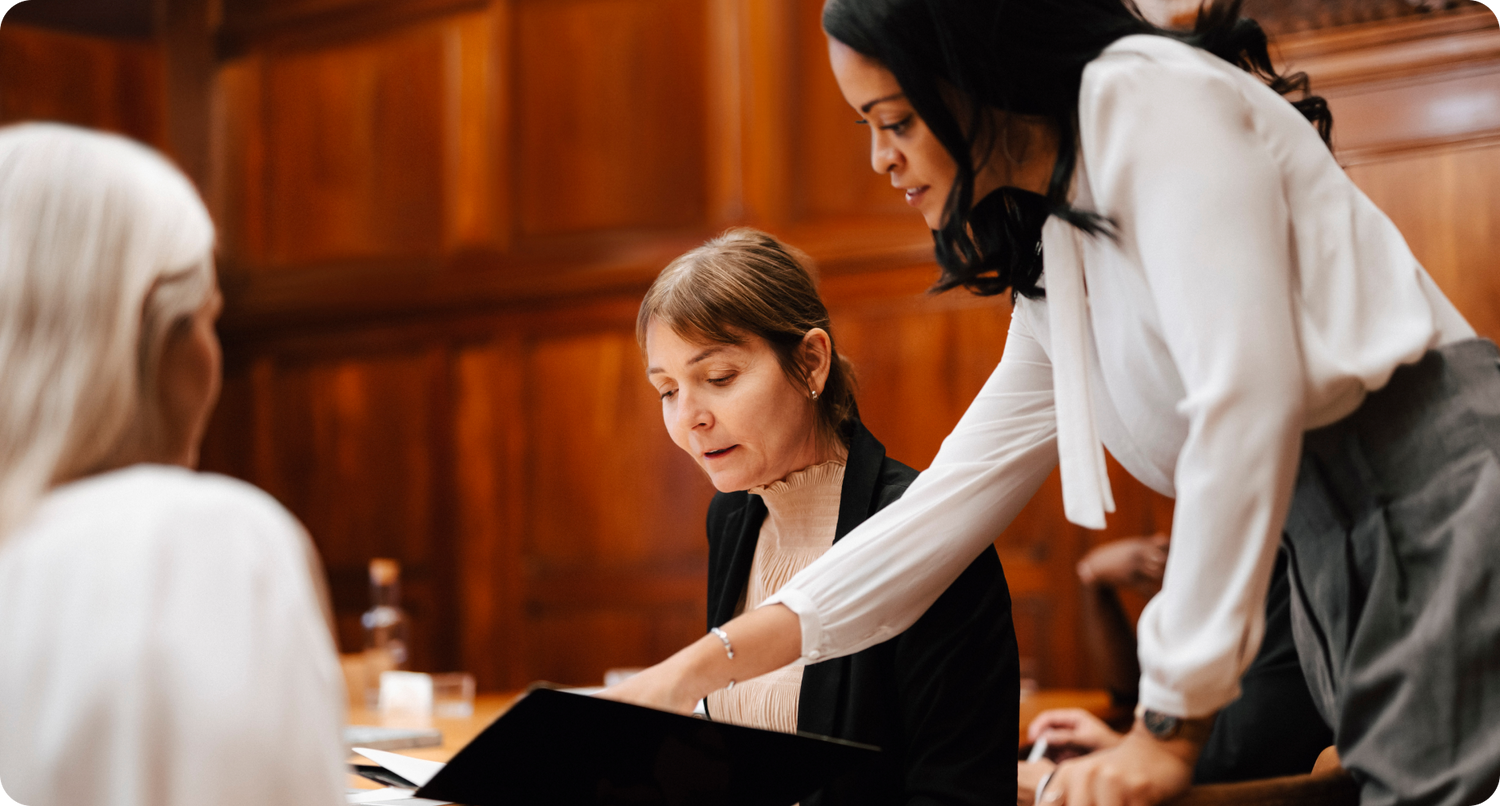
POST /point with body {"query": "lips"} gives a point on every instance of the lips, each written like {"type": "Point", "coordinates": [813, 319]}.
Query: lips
{"type": "Point", "coordinates": [720, 453]}
{"type": "Point", "coordinates": [914, 195]}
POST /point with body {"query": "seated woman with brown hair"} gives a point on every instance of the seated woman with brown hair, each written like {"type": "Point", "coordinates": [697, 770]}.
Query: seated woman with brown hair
{"type": "Point", "coordinates": [162, 641]}
{"type": "Point", "coordinates": [739, 346]}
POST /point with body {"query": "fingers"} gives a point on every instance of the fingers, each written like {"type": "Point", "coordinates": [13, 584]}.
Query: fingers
{"type": "Point", "coordinates": [1096, 781]}
{"type": "Point", "coordinates": [1133, 773]}
{"type": "Point", "coordinates": [1054, 718]}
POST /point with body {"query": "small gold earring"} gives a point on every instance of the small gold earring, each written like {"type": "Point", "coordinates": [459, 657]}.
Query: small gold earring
{"type": "Point", "coordinates": [815, 394]}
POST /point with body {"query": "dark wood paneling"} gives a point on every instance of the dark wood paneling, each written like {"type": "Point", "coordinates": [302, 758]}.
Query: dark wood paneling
{"type": "Point", "coordinates": [833, 152]}
{"type": "Point", "coordinates": [1447, 204]}
{"type": "Point", "coordinates": [610, 114]}
{"type": "Point", "coordinates": [355, 446]}
{"type": "Point", "coordinates": [127, 19]}
{"type": "Point", "coordinates": [355, 134]}
{"type": "Point", "coordinates": [109, 84]}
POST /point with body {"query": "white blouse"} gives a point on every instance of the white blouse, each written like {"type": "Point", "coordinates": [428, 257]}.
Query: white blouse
{"type": "Point", "coordinates": [163, 643]}
{"type": "Point", "coordinates": [1254, 293]}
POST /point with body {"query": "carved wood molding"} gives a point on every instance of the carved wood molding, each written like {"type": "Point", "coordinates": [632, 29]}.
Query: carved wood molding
{"type": "Point", "coordinates": [288, 24]}
{"type": "Point", "coordinates": [1404, 86]}
{"type": "Point", "coordinates": [1400, 49]}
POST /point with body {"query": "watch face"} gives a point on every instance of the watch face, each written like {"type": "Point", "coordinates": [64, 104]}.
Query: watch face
{"type": "Point", "coordinates": [1161, 726]}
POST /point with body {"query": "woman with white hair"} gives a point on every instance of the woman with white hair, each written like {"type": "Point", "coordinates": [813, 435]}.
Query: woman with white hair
{"type": "Point", "coordinates": [162, 639]}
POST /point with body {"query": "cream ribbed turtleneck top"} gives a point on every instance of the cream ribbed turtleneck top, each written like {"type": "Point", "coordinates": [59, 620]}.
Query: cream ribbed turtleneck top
{"type": "Point", "coordinates": [803, 514]}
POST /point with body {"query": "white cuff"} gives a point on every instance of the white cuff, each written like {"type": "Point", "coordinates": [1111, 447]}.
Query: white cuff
{"type": "Point", "coordinates": [807, 614]}
{"type": "Point", "coordinates": [1194, 705]}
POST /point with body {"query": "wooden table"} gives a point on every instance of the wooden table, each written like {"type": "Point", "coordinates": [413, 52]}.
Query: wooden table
{"type": "Point", "coordinates": [456, 732]}
{"type": "Point", "coordinates": [459, 732]}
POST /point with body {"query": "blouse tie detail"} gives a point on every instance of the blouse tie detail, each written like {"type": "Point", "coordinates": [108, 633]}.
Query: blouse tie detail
{"type": "Point", "coordinates": [1080, 453]}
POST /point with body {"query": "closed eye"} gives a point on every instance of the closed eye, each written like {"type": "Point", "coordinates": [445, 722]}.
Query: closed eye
{"type": "Point", "coordinates": [667, 394]}
{"type": "Point", "coordinates": [721, 381]}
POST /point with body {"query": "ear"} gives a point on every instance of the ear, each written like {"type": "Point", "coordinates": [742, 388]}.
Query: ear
{"type": "Point", "coordinates": [817, 358]}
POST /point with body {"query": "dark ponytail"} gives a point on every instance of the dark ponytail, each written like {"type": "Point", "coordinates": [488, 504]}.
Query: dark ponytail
{"type": "Point", "coordinates": [1025, 57]}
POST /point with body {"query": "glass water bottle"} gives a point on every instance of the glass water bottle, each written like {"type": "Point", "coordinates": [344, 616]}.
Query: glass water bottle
{"type": "Point", "coordinates": [385, 627]}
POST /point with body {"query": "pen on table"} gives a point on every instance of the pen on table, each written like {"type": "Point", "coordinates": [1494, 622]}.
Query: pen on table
{"type": "Point", "coordinates": [1038, 751]}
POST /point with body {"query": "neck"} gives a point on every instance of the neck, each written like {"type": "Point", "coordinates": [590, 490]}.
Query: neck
{"type": "Point", "coordinates": [1024, 156]}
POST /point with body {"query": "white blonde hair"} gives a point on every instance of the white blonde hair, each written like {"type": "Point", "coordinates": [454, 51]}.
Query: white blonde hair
{"type": "Point", "coordinates": [105, 250]}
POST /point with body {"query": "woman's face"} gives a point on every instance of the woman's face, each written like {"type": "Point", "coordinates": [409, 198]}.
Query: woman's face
{"type": "Point", "coordinates": [190, 376]}
{"type": "Point", "coordinates": [732, 408]}
{"type": "Point", "coordinates": [900, 142]}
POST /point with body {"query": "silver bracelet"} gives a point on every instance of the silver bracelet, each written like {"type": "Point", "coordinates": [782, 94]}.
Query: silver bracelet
{"type": "Point", "coordinates": [723, 636]}
{"type": "Point", "coordinates": [1042, 787]}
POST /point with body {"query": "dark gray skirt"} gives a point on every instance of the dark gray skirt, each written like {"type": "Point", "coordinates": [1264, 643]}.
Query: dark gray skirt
{"type": "Point", "coordinates": [1393, 541]}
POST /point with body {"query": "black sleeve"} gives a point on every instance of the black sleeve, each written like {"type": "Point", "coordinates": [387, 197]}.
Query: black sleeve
{"type": "Point", "coordinates": [958, 679]}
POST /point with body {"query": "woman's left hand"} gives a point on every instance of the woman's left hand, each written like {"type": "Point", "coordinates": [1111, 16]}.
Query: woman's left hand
{"type": "Point", "coordinates": [658, 687]}
{"type": "Point", "coordinates": [1139, 771]}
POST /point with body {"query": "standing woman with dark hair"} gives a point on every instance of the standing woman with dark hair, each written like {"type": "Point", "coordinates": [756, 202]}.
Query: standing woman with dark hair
{"type": "Point", "coordinates": [1200, 287]}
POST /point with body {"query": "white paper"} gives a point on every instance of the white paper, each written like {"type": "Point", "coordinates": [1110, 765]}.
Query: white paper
{"type": "Point", "coordinates": [390, 796]}
{"type": "Point", "coordinates": [417, 770]}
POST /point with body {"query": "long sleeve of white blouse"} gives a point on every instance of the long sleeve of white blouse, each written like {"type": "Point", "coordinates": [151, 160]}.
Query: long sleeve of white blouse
{"type": "Point", "coordinates": [866, 590]}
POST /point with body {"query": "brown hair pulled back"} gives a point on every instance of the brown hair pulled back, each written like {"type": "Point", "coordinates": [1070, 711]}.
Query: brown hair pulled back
{"type": "Point", "coordinates": [747, 283]}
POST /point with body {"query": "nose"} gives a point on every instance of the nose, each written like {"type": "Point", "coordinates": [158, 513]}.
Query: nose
{"type": "Point", "coordinates": [884, 156]}
{"type": "Point", "coordinates": [692, 414]}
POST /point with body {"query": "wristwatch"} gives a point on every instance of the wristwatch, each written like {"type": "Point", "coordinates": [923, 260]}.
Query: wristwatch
{"type": "Point", "coordinates": [1162, 726]}
{"type": "Point", "coordinates": [1165, 726]}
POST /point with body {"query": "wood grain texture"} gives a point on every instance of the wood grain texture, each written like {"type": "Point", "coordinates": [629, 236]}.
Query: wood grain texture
{"type": "Point", "coordinates": [355, 134]}
{"type": "Point", "coordinates": [609, 114]}
{"type": "Point", "coordinates": [110, 84]}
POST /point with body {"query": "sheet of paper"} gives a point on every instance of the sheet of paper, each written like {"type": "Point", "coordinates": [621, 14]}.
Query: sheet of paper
{"type": "Point", "coordinates": [390, 796]}
{"type": "Point", "coordinates": [417, 770]}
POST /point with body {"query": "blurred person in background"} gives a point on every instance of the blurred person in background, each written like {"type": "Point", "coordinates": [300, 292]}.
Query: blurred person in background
{"type": "Point", "coordinates": [739, 347]}
{"type": "Point", "coordinates": [1272, 729]}
{"type": "Point", "coordinates": [1201, 287]}
{"type": "Point", "coordinates": [164, 638]}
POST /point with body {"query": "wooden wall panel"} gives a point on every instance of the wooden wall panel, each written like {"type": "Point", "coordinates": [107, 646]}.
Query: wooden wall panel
{"type": "Point", "coordinates": [610, 114]}
{"type": "Point", "coordinates": [355, 447]}
{"type": "Point", "coordinates": [353, 130]}
{"type": "Point", "coordinates": [836, 178]}
{"type": "Point", "coordinates": [116, 85]}
{"type": "Point", "coordinates": [1447, 204]}
{"type": "Point", "coordinates": [490, 441]}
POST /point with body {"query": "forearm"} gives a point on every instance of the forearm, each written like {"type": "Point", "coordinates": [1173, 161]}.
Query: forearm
{"type": "Point", "coordinates": [764, 640]}
{"type": "Point", "coordinates": [1111, 641]}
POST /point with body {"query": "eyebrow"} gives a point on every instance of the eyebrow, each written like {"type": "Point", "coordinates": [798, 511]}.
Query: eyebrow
{"type": "Point", "coordinates": [695, 359]}
{"type": "Point", "coordinates": [865, 110]}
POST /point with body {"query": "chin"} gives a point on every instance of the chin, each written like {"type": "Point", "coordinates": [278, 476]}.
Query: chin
{"type": "Point", "coordinates": [723, 482]}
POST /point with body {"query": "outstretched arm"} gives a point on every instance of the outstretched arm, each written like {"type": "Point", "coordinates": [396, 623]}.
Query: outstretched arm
{"type": "Point", "coordinates": [764, 640]}
{"type": "Point", "coordinates": [884, 575]}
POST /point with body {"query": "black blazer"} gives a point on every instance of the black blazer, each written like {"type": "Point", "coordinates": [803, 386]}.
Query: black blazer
{"type": "Point", "coordinates": [941, 699]}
